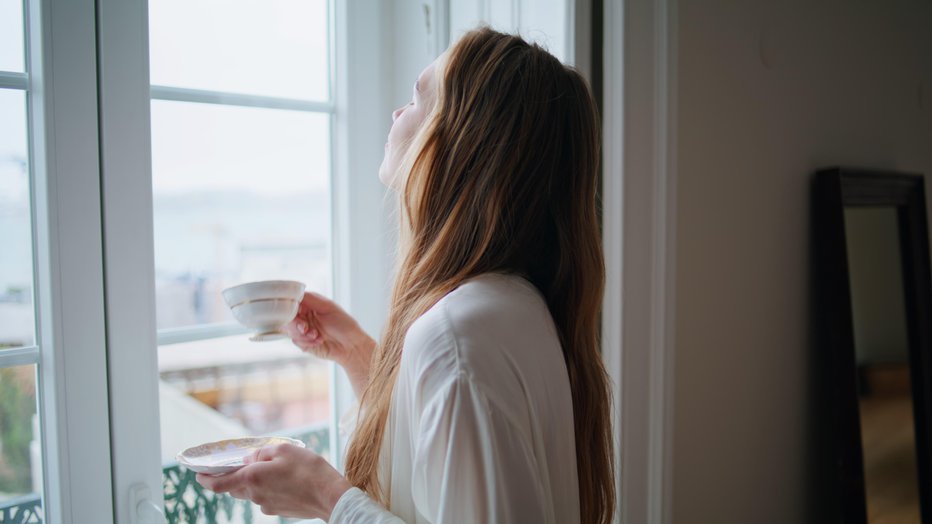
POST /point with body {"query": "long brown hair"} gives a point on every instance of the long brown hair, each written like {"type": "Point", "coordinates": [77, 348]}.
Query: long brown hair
{"type": "Point", "coordinates": [502, 177]}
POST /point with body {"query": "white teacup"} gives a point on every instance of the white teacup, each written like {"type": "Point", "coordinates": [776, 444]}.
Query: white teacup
{"type": "Point", "coordinates": [265, 306]}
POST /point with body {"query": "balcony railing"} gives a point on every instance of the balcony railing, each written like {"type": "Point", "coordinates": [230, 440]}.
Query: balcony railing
{"type": "Point", "coordinates": [21, 510]}
{"type": "Point", "coordinates": [185, 501]}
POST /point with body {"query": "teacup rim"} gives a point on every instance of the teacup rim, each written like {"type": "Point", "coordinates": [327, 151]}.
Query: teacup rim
{"type": "Point", "coordinates": [232, 289]}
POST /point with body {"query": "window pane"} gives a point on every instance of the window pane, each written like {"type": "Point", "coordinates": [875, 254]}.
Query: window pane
{"type": "Point", "coordinates": [20, 449]}
{"type": "Point", "coordinates": [12, 57]}
{"type": "Point", "coordinates": [268, 47]}
{"type": "Point", "coordinates": [230, 387]}
{"type": "Point", "coordinates": [16, 311]}
{"type": "Point", "coordinates": [240, 194]}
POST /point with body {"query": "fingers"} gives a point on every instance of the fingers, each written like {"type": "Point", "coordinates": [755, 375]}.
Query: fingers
{"type": "Point", "coordinates": [267, 453]}
{"type": "Point", "coordinates": [299, 327]}
{"type": "Point", "coordinates": [304, 324]}
{"type": "Point", "coordinates": [283, 480]}
{"type": "Point", "coordinates": [317, 303]}
{"type": "Point", "coordinates": [221, 483]}
{"type": "Point", "coordinates": [243, 479]}
{"type": "Point", "coordinates": [252, 457]}
{"type": "Point", "coordinates": [303, 336]}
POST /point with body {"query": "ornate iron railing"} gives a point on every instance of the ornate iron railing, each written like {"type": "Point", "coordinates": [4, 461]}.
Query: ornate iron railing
{"type": "Point", "coordinates": [22, 510]}
{"type": "Point", "coordinates": [185, 501]}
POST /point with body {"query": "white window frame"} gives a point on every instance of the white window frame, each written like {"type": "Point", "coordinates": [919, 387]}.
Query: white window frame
{"type": "Point", "coordinates": [129, 263]}
{"type": "Point", "coordinates": [363, 210]}
{"type": "Point", "coordinates": [70, 347]}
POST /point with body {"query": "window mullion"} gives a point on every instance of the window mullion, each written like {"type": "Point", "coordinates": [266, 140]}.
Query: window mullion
{"type": "Point", "coordinates": [201, 332]}
{"type": "Point", "coordinates": [182, 94]}
{"type": "Point", "coordinates": [10, 80]}
{"type": "Point", "coordinates": [19, 356]}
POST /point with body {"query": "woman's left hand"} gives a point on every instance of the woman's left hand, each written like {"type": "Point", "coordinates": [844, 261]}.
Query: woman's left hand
{"type": "Point", "coordinates": [284, 480]}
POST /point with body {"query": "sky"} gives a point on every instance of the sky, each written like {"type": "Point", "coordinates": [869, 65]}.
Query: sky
{"type": "Point", "coordinates": [265, 47]}
{"type": "Point", "coordinates": [268, 47]}
{"type": "Point", "coordinates": [11, 36]}
{"type": "Point", "coordinates": [13, 186]}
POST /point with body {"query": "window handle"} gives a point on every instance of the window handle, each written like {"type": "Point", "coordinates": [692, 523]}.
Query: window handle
{"type": "Point", "coordinates": [142, 509]}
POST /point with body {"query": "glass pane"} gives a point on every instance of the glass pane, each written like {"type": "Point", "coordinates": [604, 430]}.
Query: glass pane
{"type": "Point", "coordinates": [12, 57]}
{"type": "Point", "coordinates": [250, 389]}
{"type": "Point", "coordinates": [268, 47]}
{"type": "Point", "coordinates": [20, 449]}
{"type": "Point", "coordinates": [16, 312]}
{"type": "Point", "coordinates": [240, 194]}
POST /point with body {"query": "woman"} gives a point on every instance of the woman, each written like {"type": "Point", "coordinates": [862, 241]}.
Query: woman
{"type": "Point", "coordinates": [486, 400]}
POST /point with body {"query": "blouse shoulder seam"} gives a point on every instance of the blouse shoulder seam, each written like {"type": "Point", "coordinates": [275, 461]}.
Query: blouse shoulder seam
{"type": "Point", "coordinates": [454, 336]}
{"type": "Point", "coordinates": [463, 373]}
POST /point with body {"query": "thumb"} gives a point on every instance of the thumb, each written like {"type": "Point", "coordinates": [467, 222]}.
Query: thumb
{"type": "Point", "coordinates": [252, 457]}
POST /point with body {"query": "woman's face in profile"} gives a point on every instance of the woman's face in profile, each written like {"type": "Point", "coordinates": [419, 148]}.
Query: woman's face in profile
{"type": "Point", "coordinates": [406, 120]}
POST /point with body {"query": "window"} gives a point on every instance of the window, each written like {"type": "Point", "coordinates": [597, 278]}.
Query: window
{"type": "Point", "coordinates": [241, 119]}
{"type": "Point", "coordinates": [20, 440]}
{"type": "Point", "coordinates": [51, 289]}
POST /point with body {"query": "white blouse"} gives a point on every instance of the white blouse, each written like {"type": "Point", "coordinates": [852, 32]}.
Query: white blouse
{"type": "Point", "coordinates": [481, 421]}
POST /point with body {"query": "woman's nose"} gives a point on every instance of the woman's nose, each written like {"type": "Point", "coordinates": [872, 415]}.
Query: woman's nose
{"type": "Point", "coordinates": [396, 113]}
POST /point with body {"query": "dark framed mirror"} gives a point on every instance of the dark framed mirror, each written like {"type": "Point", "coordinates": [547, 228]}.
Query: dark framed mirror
{"type": "Point", "coordinates": [875, 327]}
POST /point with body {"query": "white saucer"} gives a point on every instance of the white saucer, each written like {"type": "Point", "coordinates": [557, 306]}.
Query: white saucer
{"type": "Point", "coordinates": [225, 456]}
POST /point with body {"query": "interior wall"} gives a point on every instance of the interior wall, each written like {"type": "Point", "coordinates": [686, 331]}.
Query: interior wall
{"type": "Point", "coordinates": [768, 92]}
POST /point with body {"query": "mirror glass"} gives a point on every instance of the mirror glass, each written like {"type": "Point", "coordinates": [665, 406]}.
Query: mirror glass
{"type": "Point", "coordinates": [882, 352]}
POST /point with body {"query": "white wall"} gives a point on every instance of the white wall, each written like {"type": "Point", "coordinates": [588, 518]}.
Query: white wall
{"type": "Point", "coordinates": [769, 91]}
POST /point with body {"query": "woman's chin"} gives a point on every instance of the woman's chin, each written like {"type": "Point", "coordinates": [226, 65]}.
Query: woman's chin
{"type": "Point", "coordinates": [385, 175]}
{"type": "Point", "coordinates": [388, 174]}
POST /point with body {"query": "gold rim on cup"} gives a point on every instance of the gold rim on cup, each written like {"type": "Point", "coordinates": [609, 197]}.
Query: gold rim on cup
{"type": "Point", "coordinates": [243, 303]}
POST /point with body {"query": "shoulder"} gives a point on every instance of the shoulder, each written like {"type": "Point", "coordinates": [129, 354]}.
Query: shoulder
{"type": "Point", "coordinates": [492, 299]}
{"type": "Point", "coordinates": [484, 324]}
{"type": "Point", "coordinates": [481, 309]}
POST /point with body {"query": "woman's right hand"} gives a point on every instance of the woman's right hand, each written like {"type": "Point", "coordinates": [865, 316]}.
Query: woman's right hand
{"type": "Point", "coordinates": [325, 330]}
